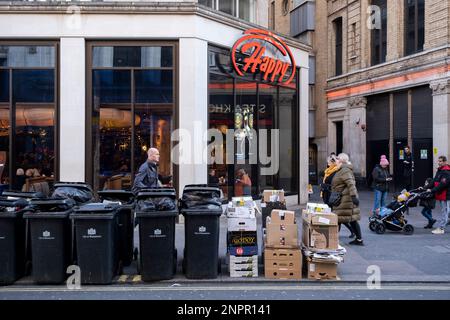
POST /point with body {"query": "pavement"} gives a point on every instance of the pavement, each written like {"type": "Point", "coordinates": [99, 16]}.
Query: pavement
{"type": "Point", "coordinates": [421, 258]}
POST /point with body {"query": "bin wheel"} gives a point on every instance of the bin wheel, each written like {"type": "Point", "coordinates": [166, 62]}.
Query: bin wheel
{"type": "Point", "coordinates": [408, 229]}
{"type": "Point", "coordinates": [380, 228]}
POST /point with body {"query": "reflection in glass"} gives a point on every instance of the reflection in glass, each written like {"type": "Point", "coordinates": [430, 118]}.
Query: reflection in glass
{"type": "Point", "coordinates": [4, 143]}
{"type": "Point", "coordinates": [35, 138]}
{"type": "Point", "coordinates": [246, 10]}
{"type": "Point", "coordinates": [226, 6]}
{"type": "Point", "coordinates": [154, 86]}
{"type": "Point", "coordinates": [133, 56]}
{"type": "Point", "coordinates": [27, 56]}
{"type": "Point", "coordinates": [4, 85]}
{"type": "Point", "coordinates": [33, 85]}
{"type": "Point", "coordinates": [153, 131]}
{"type": "Point", "coordinates": [111, 86]}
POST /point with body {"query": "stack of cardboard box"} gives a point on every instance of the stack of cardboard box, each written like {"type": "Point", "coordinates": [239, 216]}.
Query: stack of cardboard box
{"type": "Point", "coordinates": [282, 254]}
{"type": "Point", "coordinates": [242, 238]}
{"type": "Point", "coordinates": [272, 199]}
{"type": "Point", "coordinates": [320, 242]}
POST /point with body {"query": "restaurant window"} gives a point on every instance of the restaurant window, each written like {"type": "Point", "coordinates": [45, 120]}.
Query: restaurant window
{"type": "Point", "coordinates": [414, 26]}
{"type": "Point", "coordinates": [28, 106]}
{"type": "Point", "coordinates": [243, 104]}
{"type": "Point", "coordinates": [133, 108]}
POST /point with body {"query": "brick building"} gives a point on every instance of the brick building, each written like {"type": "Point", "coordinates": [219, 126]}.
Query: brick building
{"type": "Point", "coordinates": [381, 81]}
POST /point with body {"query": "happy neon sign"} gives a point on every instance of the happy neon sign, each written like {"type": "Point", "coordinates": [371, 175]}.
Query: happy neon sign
{"type": "Point", "coordinates": [253, 46]}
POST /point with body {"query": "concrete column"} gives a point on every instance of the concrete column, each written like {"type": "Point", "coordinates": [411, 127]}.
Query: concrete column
{"type": "Point", "coordinates": [303, 137]}
{"type": "Point", "coordinates": [72, 109]}
{"type": "Point", "coordinates": [193, 111]}
{"type": "Point", "coordinates": [357, 134]}
{"type": "Point", "coordinates": [441, 118]}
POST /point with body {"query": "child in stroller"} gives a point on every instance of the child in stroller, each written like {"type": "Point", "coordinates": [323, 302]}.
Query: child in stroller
{"type": "Point", "coordinates": [392, 216]}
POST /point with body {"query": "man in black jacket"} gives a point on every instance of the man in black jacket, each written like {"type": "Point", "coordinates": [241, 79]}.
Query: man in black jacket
{"type": "Point", "coordinates": [147, 176]}
{"type": "Point", "coordinates": [407, 168]}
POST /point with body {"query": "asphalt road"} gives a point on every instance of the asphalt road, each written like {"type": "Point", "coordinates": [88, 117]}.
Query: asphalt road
{"type": "Point", "coordinates": [232, 292]}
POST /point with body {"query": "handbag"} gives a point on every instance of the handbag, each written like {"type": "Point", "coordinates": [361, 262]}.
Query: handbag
{"type": "Point", "coordinates": [335, 199]}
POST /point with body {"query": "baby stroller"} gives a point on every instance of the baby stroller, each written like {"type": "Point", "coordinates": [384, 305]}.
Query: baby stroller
{"type": "Point", "coordinates": [392, 217]}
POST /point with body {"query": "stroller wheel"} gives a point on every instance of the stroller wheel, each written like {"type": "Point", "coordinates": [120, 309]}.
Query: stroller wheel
{"type": "Point", "coordinates": [372, 226]}
{"type": "Point", "coordinates": [408, 229]}
{"type": "Point", "coordinates": [380, 228]}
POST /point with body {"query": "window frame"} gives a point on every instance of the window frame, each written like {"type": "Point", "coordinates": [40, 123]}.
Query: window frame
{"type": "Point", "coordinates": [418, 43]}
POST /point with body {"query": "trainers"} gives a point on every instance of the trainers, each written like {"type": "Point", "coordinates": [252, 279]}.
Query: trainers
{"type": "Point", "coordinates": [438, 231]}
{"type": "Point", "coordinates": [357, 242]}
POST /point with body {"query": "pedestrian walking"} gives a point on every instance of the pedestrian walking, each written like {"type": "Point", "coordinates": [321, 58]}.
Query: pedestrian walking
{"type": "Point", "coordinates": [380, 184]}
{"type": "Point", "coordinates": [428, 202]}
{"type": "Point", "coordinates": [407, 168]}
{"type": "Point", "coordinates": [147, 176]}
{"type": "Point", "coordinates": [344, 184]}
{"type": "Point", "coordinates": [325, 186]}
{"type": "Point", "coordinates": [441, 190]}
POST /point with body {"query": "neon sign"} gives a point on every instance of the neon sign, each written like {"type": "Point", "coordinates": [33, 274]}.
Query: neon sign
{"type": "Point", "coordinates": [248, 56]}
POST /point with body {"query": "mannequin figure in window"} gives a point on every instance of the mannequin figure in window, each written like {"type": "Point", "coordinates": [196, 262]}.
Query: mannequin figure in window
{"type": "Point", "coordinates": [147, 176]}
{"type": "Point", "coordinates": [212, 178]}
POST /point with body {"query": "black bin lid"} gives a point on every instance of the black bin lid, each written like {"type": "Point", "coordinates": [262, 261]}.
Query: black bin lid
{"type": "Point", "coordinates": [95, 211]}
{"type": "Point", "coordinates": [77, 185]}
{"type": "Point", "coordinates": [23, 195]}
{"type": "Point", "coordinates": [157, 193]}
{"type": "Point", "coordinates": [116, 195]}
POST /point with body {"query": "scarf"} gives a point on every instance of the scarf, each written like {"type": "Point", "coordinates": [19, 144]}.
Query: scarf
{"type": "Point", "coordinates": [329, 171]}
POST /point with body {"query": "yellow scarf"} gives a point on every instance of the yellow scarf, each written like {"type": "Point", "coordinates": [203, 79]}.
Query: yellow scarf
{"type": "Point", "coordinates": [329, 171]}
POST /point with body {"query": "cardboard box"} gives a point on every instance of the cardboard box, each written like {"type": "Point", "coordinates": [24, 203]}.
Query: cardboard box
{"type": "Point", "coordinates": [282, 254]}
{"type": "Point", "coordinates": [320, 237]}
{"type": "Point", "coordinates": [282, 216]}
{"type": "Point", "coordinates": [273, 195]}
{"type": "Point", "coordinates": [242, 202]}
{"type": "Point", "coordinates": [243, 251]}
{"type": "Point", "coordinates": [283, 273]}
{"type": "Point", "coordinates": [281, 235]}
{"type": "Point", "coordinates": [243, 267]}
{"type": "Point", "coordinates": [243, 260]}
{"type": "Point", "coordinates": [321, 270]}
{"type": "Point", "coordinates": [241, 212]}
{"type": "Point", "coordinates": [242, 224]}
{"type": "Point", "coordinates": [320, 219]}
{"type": "Point", "coordinates": [318, 207]}
{"type": "Point", "coordinates": [242, 238]}
{"type": "Point", "coordinates": [244, 274]}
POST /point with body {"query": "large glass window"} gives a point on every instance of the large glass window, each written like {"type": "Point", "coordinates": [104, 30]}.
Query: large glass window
{"type": "Point", "coordinates": [414, 26]}
{"type": "Point", "coordinates": [243, 9]}
{"type": "Point", "coordinates": [241, 105]}
{"type": "Point", "coordinates": [379, 34]}
{"type": "Point", "coordinates": [338, 46]}
{"type": "Point", "coordinates": [27, 116]}
{"type": "Point", "coordinates": [132, 111]}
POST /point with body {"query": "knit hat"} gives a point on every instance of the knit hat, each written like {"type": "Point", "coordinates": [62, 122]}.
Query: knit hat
{"type": "Point", "coordinates": [384, 161]}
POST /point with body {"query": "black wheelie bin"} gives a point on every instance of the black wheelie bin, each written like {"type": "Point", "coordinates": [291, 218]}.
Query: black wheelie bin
{"type": "Point", "coordinates": [156, 213]}
{"type": "Point", "coordinates": [201, 207]}
{"type": "Point", "coordinates": [12, 240]}
{"type": "Point", "coordinates": [50, 235]}
{"type": "Point", "coordinates": [125, 199]}
{"type": "Point", "coordinates": [96, 237]}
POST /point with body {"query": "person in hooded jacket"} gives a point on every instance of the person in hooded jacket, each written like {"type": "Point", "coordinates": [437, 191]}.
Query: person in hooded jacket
{"type": "Point", "coordinates": [428, 203]}
{"type": "Point", "coordinates": [381, 179]}
{"type": "Point", "coordinates": [348, 210]}
{"type": "Point", "coordinates": [441, 191]}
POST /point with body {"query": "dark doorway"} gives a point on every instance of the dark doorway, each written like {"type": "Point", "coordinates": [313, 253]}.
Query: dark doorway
{"type": "Point", "coordinates": [399, 157]}
{"type": "Point", "coordinates": [339, 136]}
{"type": "Point", "coordinates": [423, 161]}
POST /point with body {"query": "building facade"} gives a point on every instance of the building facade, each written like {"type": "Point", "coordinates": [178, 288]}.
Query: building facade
{"type": "Point", "coordinates": [381, 81]}
{"type": "Point", "coordinates": [86, 90]}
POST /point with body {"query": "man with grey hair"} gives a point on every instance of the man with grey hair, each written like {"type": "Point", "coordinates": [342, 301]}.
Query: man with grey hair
{"type": "Point", "coordinates": [147, 176]}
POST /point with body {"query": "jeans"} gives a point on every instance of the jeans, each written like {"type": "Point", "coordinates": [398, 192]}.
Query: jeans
{"type": "Point", "coordinates": [445, 210]}
{"type": "Point", "coordinates": [427, 213]}
{"type": "Point", "coordinates": [380, 200]}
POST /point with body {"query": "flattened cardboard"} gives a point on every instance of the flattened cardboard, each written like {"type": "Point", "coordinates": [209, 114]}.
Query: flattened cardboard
{"type": "Point", "coordinates": [282, 216]}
